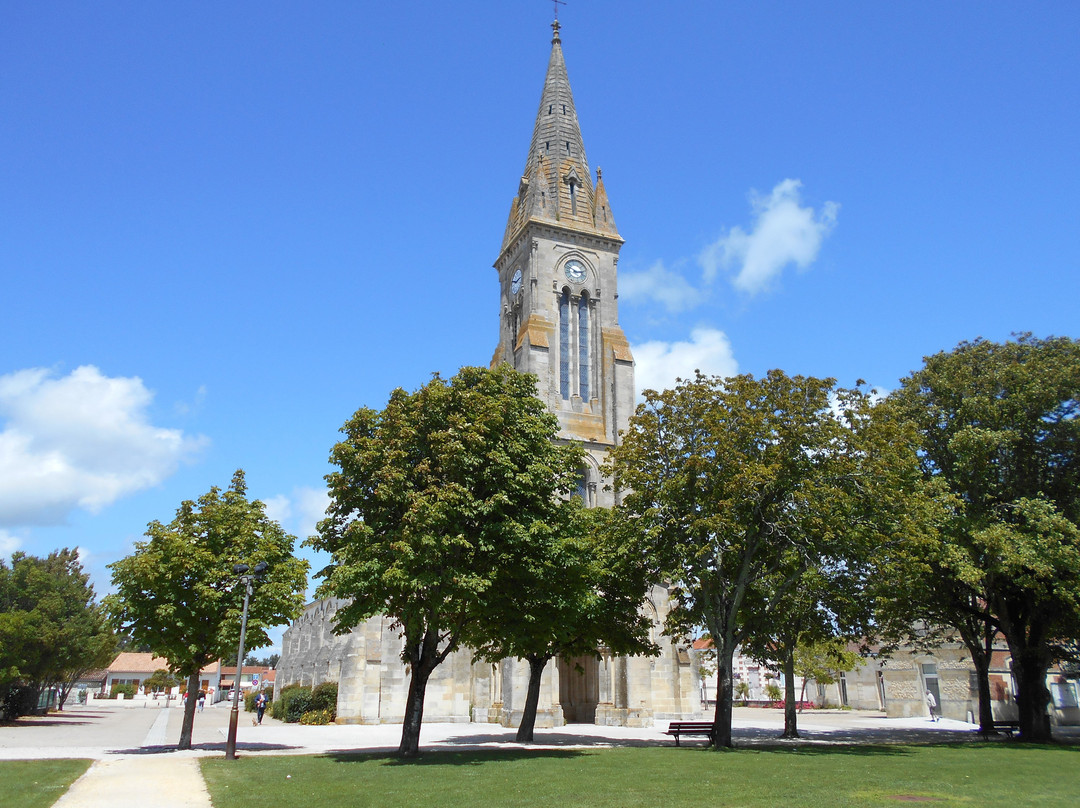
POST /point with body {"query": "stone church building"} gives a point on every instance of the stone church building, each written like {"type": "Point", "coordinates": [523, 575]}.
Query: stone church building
{"type": "Point", "coordinates": [558, 319]}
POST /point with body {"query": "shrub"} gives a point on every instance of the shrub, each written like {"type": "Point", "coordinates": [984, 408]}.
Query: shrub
{"type": "Point", "coordinates": [277, 709]}
{"type": "Point", "coordinates": [299, 704]}
{"type": "Point", "coordinates": [125, 691]}
{"type": "Point", "coordinates": [318, 717]}
{"type": "Point", "coordinates": [293, 702]}
{"type": "Point", "coordinates": [773, 692]}
{"type": "Point", "coordinates": [18, 700]}
{"type": "Point", "coordinates": [324, 697]}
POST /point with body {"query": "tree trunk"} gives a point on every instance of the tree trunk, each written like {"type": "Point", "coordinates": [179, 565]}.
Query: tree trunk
{"type": "Point", "coordinates": [414, 711]}
{"type": "Point", "coordinates": [721, 733]}
{"type": "Point", "coordinates": [532, 699]}
{"type": "Point", "coordinates": [791, 729]}
{"type": "Point", "coordinates": [986, 705]}
{"type": "Point", "coordinates": [1029, 666]}
{"type": "Point", "coordinates": [978, 636]}
{"type": "Point", "coordinates": [189, 711]}
{"type": "Point", "coordinates": [63, 690]}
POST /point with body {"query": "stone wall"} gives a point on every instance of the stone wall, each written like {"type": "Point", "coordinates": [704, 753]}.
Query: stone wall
{"type": "Point", "coordinates": [373, 682]}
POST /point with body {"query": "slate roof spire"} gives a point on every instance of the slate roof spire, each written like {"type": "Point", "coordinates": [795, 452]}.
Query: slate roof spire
{"type": "Point", "coordinates": [557, 185]}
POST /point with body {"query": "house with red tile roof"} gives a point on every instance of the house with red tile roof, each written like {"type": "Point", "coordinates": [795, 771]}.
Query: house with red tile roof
{"type": "Point", "coordinates": [134, 668]}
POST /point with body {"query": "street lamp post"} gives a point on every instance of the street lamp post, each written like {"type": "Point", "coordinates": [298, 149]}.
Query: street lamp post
{"type": "Point", "coordinates": [234, 715]}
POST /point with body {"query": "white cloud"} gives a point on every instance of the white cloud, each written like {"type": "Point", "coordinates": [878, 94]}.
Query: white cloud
{"type": "Point", "coordinates": [299, 512]}
{"type": "Point", "coordinates": [311, 504]}
{"type": "Point", "coordinates": [79, 441]}
{"type": "Point", "coordinates": [278, 508]}
{"type": "Point", "coordinates": [784, 232]}
{"type": "Point", "coordinates": [658, 283]}
{"type": "Point", "coordinates": [9, 543]}
{"type": "Point", "coordinates": [658, 364]}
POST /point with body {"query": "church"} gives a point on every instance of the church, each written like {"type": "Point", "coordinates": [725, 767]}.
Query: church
{"type": "Point", "coordinates": [558, 319]}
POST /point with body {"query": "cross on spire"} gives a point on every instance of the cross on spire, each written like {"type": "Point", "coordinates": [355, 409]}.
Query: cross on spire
{"type": "Point", "coordinates": [558, 3]}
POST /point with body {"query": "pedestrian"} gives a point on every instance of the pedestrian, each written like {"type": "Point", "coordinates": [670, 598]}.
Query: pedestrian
{"type": "Point", "coordinates": [202, 700]}
{"type": "Point", "coordinates": [931, 705]}
{"type": "Point", "coordinates": [260, 705]}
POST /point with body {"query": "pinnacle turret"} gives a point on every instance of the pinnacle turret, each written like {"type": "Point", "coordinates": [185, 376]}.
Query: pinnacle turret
{"type": "Point", "coordinates": [557, 185]}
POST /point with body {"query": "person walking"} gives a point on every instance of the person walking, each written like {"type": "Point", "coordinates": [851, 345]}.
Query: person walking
{"type": "Point", "coordinates": [202, 700]}
{"type": "Point", "coordinates": [260, 705]}
{"type": "Point", "coordinates": [931, 705]}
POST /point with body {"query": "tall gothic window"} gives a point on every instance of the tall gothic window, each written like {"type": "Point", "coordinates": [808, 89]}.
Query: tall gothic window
{"type": "Point", "coordinates": [582, 488]}
{"type": "Point", "coordinates": [564, 344]}
{"type": "Point", "coordinates": [583, 346]}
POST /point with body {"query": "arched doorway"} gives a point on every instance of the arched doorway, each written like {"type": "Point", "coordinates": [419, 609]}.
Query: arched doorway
{"type": "Point", "coordinates": [579, 689]}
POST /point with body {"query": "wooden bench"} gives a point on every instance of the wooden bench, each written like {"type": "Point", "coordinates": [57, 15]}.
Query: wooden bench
{"type": "Point", "coordinates": [1008, 727]}
{"type": "Point", "coordinates": [678, 728]}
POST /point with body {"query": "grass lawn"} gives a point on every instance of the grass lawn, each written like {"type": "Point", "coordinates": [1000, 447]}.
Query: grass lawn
{"type": "Point", "coordinates": [659, 777]}
{"type": "Point", "coordinates": [37, 783]}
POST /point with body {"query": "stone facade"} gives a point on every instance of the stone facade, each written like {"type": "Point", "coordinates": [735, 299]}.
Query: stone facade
{"type": "Point", "coordinates": [557, 278]}
{"type": "Point", "coordinates": [373, 682]}
{"type": "Point", "coordinates": [897, 686]}
{"type": "Point", "coordinates": [558, 320]}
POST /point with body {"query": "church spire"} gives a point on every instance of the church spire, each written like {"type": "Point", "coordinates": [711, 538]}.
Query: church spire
{"type": "Point", "coordinates": [557, 185]}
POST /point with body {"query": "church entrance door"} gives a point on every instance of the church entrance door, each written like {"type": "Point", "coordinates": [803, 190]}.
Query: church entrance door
{"type": "Point", "coordinates": [579, 689]}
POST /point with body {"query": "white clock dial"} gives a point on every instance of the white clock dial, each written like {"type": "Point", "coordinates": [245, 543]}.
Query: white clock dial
{"type": "Point", "coordinates": [515, 282]}
{"type": "Point", "coordinates": [575, 271]}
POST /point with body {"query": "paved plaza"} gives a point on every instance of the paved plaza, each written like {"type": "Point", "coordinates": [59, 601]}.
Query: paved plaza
{"type": "Point", "coordinates": [137, 764]}
{"type": "Point", "coordinates": [102, 732]}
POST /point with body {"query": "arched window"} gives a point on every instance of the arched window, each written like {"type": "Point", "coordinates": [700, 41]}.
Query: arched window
{"type": "Point", "coordinates": [583, 345]}
{"type": "Point", "coordinates": [564, 344]}
{"type": "Point", "coordinates": [582, 489]}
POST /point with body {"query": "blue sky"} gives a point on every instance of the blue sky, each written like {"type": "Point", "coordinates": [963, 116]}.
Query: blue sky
{"type": "Point", "coordinates": [225, 226]}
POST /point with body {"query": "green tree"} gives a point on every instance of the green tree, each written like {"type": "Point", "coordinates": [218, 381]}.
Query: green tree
{"type": "Point", "coordinates": [434, 497]}
{"type": "Point", "coordinates": [997, 425]}
{"type": "Point", "coordinates": [823, 661]}
{"type": "Point", "coordinates": [737, 486]}
{"type": "Point", "coordinates": [51, 628]}
{"type": "Point", "coordinates": [823, 604]}
{"type": "Point", "coordinates": [178, 596]}
{"type": "Point", "coordinates": [270, 661]}
{"type": "Point", "coordinates": [160, 680]}
{"type": "Point", "coordinates": [577, 592]}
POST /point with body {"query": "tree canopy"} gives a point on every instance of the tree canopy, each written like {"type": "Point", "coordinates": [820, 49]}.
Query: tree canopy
{"type": "Point", "coordinates": [997, 427]}
{"type": "Point", "coordinates": [736, 487]}
{"type": "Point", "coordinates": [178, 596]}
{"type": "Point", "coordinates": [435, 497]}
{"type": "Point", "coordinates": [51, 628]}
{"type": "Point", "coordinates": [577, 591]}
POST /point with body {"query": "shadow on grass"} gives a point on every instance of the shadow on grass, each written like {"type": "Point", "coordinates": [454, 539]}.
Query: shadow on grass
{"type": "Point", "coordinates": [439, 757]}
{"type": "Point", "coordinates": [542, 739]}
{"type": "Point", "coordinates": [165, 749]}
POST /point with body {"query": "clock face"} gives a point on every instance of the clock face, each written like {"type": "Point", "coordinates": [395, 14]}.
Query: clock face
{"type": "Point", "coordinates": [575, 271]}
{"type": "Point", "coordinates": [515, 282]}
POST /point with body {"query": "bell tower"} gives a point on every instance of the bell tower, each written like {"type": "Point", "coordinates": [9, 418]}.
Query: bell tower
{"type": "Point", "coordinates": [557, 279]}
